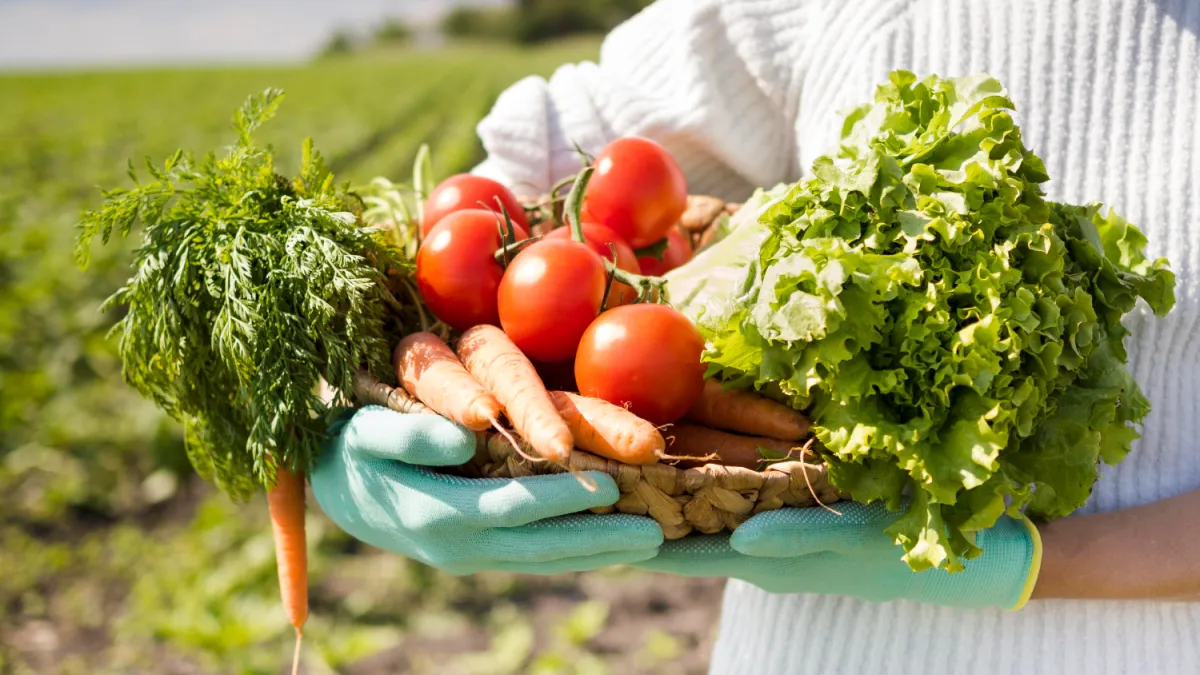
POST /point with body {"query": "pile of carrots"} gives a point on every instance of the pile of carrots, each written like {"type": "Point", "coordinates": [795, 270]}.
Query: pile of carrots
{"type": "Point", "coordinates": [491, 378]}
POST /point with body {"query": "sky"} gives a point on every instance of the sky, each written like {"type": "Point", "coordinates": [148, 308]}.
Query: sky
{"type": "Point", "coordinates": [53, 34]}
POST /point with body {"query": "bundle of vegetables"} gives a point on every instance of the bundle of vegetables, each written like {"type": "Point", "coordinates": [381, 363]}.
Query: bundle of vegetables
{"type": "Point", "coordinates": [560, 336]}
{"type": "Point", "coordinates": [955, 337]}
{"type": "Point", "coordinates": [249, 290]}
{"type": "Point", "coordinates": [569, 306]}
{"type": "Point", "coordinates": [261, 307]}
{"type": "Point", "coordinates": [584, 359]}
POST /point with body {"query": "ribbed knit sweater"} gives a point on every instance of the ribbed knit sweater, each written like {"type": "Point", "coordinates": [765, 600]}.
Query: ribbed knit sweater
{"type": "Point", "coordinates": [748, 93]}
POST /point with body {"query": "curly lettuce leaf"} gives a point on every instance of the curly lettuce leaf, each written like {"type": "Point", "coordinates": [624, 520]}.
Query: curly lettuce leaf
{"type": "Point", "coordinates": [955, 337]}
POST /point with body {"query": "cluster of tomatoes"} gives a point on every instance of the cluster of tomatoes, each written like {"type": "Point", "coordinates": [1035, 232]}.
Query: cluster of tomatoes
{"type": "Point", "coordinates": [555, 298]}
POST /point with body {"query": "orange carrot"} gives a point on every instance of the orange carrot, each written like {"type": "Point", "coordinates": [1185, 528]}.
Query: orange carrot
{"type": "Point", "coordinates": [286, 504]}
{"type": "Point", "coordinates": [431, 372]}
{"type": "Point", "coordinates": [720, 447]}
{"type": "Point", "coordinates": [748, 413]}
{"type": "Point", "coordinates": [503, 370]}
{"type": "Point", "coordinates": [609, 430]}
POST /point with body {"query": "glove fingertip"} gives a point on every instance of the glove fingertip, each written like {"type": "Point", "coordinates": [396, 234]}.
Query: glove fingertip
{"type": "Point", "coordinates": [743, 541]}
{"type": "Point", "coordinates": [606, 492]}
{"type": "Point", "coordinates": [574, 492]}
{"type": "Point", "coordinates": [429, 440]}
{"type": "Point", "coordinates": [454, 443]}
{"type": "Point", "coordinates": [637, 532]}
{"type": "Point", "coordinates": [760, 539]}
{"type": "Point", "coordinates": [647, 536]}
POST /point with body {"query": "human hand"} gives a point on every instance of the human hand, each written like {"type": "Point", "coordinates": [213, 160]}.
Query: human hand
{"type": "Point", "coordinates": [812, 550]}
{"type": "Point", "coordinates": [373, 481]}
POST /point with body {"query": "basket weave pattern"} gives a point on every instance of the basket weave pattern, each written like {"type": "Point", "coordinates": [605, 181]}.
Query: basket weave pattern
{"type": "Point", "coordinates": [708, 498]}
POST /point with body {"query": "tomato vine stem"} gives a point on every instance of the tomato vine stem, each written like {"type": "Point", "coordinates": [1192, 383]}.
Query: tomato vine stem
{"type": "Point", "coordinates": [609, 283]}
{"type": "Point", "coordinates": [506, 252]}
{"type": "Point", "coordinates": [560, 185]}
{"type": "Point", "coordinates": [574, 204]}
{"type": "Point", "coordinates": [645, 285]}
{"type": "Point", "coordinates": [571, 210]}
{"type": "Point", "coordinates": [508, 237]}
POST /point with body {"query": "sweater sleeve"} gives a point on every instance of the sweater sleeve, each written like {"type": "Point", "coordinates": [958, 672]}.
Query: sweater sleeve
{"type": "Point", "coordinates": [715, 82]}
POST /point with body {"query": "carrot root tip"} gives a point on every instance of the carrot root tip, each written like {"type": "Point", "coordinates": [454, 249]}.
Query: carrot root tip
{"type": "Point", "coordinates": [691, 458]}
{"type": "Point", "coordinates": [585, 480]}
{"type": "Point", "coordinates": [296, 654]}
{"type": "Point", "coordinates": [512, 440]}
{"type": "Point", "coordinates": [806, 450]}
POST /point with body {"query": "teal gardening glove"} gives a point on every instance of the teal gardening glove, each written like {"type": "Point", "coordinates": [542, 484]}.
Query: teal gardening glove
{"type": "Point", "coordinates": [812, 550]}
{"type": "Point", "coordinates": [373, 482]}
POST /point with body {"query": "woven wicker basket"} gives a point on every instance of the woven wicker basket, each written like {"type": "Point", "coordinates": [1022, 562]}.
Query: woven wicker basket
{"type": "Point", "coordinates": [707, 498]}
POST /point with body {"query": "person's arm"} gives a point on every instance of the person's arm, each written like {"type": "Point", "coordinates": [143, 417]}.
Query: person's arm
{"type": "Point", "coordinates": [1145, 552]}
{"type": "Point", "coordinates": [714, 81]}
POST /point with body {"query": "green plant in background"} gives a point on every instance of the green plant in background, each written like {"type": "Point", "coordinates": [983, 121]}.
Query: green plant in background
{"type": "Point", "coordinates": [537, 21]}
{"type": "Point", "coordinates": [393, 32]}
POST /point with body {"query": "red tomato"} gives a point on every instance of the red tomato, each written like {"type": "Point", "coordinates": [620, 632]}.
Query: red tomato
{"type": "Point", "coordinates": [638, 190]}
{"type": "Point", "coordinates": [599, 237]}
{"type": "Point", "coordinates": [457, 273]}
{"type": "Point", "coordinates": [645, 356]}
{"type": "Point", "coordinates": [679, 251]}
{"type": "Point", "coordinates": [465, 192]}
{"type": "Point", "coordinates": [549, 295]}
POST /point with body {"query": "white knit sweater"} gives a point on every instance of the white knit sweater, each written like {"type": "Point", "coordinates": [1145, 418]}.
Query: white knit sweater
{"type": "Point", "coordinates": [747, 93]}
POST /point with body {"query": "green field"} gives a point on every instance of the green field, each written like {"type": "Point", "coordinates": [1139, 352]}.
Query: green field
{"type": "Point", "coordinates": [113, 558]}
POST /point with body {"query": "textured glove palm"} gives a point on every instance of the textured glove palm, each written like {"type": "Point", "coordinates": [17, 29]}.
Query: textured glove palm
{"type": "Point", "coordinates": [815, 551]}
{"type": "Point", "coordinates": [371, 480]}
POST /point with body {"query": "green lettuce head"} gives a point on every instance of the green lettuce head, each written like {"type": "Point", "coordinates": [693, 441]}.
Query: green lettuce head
{"type": "Point", "coordinates": [955, 337]}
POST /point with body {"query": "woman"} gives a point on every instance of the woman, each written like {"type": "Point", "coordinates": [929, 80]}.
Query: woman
{"type": "Point", "coordinates": [747, 94]}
